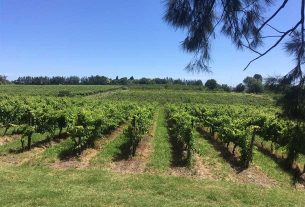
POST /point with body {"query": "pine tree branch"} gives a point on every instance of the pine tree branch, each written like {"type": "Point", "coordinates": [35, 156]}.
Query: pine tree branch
{"type": "Point", "coordinates": [275, 44]}
{"type": "Point", "coordinates": [273, 15]}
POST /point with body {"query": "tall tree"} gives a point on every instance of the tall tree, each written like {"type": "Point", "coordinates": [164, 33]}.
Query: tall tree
{"type": "Point", "coordinates": [3, 79]}
{"type": "Point", "coordinates": [211, 84]}
{"type": "Point", "coordinates": [245, 22]}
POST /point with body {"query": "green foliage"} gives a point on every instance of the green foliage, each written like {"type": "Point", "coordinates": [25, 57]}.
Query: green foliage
{"type": "Point", "coordinates": [258, 77]}
{"type": "Point", "coordinates": [83, 120]}
{"type": "Point", "coordinates": [240, 88]}
{"type": "Point", "coordinates": [54, 90]}
{"type": "Point", "coordinates": [64, 93]}
{"type": "Point", "coordinates": [225, 87]}
{"type": "Point", "coordinates": [293, 103]}
{"type": "Point", "coordinates": [211, 84]}
{"type": "Point", "coordinates": [138, 126]}
{"type": "Point", "coordinates": [253, 85]}
{"type": "Point", "coordinates": [239, 124]}
{"type": "Point", "coordinates": [181, 125]}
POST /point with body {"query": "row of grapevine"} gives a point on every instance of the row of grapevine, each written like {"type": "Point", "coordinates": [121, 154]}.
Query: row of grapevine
{"type": "Point", "coordinates": [139, 124]}
{"type": "Point", "coordinates": [230, 126]}
{"type": "Point", "coordinates": [239, 125]}
{"type": "Point", "coordinates": [92, 123]}
{"type": "Point", "coordinates": [83, 120]}
{"type": "Point", "coordinates": [181, 124]}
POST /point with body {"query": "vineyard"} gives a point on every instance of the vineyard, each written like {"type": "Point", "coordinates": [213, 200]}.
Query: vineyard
{"type": "Point", "coordinates": [149, 140]}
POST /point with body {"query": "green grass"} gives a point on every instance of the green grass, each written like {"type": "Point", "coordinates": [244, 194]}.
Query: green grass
{"type": "Point", "coordinates": [301, 159]}
{"type": "Point", "coordinates": [272, 169]}
{"type": "Point", "coordinates": [109, 151]}
{"type": "Point", "coordinates": [9, 131]}
{"type": "Point", "coordinates": [160, 159]}
{"type": "Point", "coordinates": [38, 186]}
{"type": "Point", "coordinates": [16, 144]}
{"type": "Point", "coordinates": [178, 96]}
{"type": "Point", "coordinates": [52, 153]}
{"type": "Point", "coordinates": [220, 168]}
{"type": "Point", "coordinates": [53, 90]}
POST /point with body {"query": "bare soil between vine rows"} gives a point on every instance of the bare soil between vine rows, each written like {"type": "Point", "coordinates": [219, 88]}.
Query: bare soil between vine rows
{"type": "Point", "coordinates": [5, 139]}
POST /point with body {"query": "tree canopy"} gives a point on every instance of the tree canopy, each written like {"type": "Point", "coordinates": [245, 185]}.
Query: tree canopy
{"type": "Point", "coordinates": [245, 22]}
{"type": "Point", "coordinates": [3, 79]}
{"type": "Point", "coordinates": [211, 84]}
{"type": "Point", "coordinates": [239, 88]}
{"type": "Point", "coordinates": [254, 84]}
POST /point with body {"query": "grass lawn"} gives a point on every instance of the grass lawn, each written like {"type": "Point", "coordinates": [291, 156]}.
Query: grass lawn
{"type": "Point", "coordinates": [39, 186]}
{"type": "Point", "coordinates": [161, 156]}
{"type": "Point", "coordinates": [212, 157]}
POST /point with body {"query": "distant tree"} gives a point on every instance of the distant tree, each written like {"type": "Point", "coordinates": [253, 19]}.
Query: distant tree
{"type": "Point", "coordinates": [211, 84]}
{"type": "Point", "coordinates": [240, 88]}
{"type": "Point", "coordinates": [178, 82]}
{"type": "Point", "coordinates": [159, 81]}
{"type": "Point", "coordinates": [84, 80]}
{"type": "Point", "coordinates": [273, 84]}
{"type": "Point", "coordinates": [225, 87]}
{"type": "Point", "coordinates": [3, 79]}
{"type": "Point", "coordinates": [123, 81]}
{"type": "Point", "coordinates": [72, 80]}
{"type": "Point", "coordinates": [193, 82]}
{"type": "Point", "coordinates": [253, 85]}
{"type": "Point", "coordinates": [56, 80]}
{"type": "Point", "coordinates": [144, 81]}
{"type": "Point", "coordinates": [115, 81]}
{"type": "Point", "coordinates": [258, 77]}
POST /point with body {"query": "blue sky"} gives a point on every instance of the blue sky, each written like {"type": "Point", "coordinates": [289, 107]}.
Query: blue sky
{"type": "Point", "coordinates": [115, 38]}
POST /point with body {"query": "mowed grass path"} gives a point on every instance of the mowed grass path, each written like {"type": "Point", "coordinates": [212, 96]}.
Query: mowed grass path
{"type": "Point", "coordinates": [272, 169]}
{"type": "Point", "coordinates": [161, 156]}
{"type": "Point", "coordinates": [109, 151]}
{"type": "Point", "coordinates": [38, 186]}
{"type": "Point", "coordinates": [221, 169]}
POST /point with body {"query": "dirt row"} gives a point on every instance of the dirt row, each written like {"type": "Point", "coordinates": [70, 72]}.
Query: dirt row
{"type": "Point", "coordinates": [5, 139]}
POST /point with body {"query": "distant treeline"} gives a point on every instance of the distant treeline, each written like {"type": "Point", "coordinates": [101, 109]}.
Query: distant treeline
{"type": "Point", "coordinates": [100, 80]}
{"type": "Point", "coordinates": [254, 84]}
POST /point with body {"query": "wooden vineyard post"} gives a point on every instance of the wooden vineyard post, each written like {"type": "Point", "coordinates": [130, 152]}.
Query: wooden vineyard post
{"type": "Point", "coordinates": [22, 144]}
{"type": "Point", "coordinates": [133, 144]}
{"type": "Point", "coordinates": [250, 155]}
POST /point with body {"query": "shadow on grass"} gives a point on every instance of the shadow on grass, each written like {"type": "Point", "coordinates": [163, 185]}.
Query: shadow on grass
{"type": "Point", "coordinates": [295, 172]}
{"type": "Point", "coordinates": [45, 143]}
{"type": "Point", "coordinates": [72, 151]}
{"type": "Point", "coordinates": [124, 151]}
{"type": "Point", "coordinates": [224, 151]}
{"type": "Point", "coordinates": [179, 158]}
